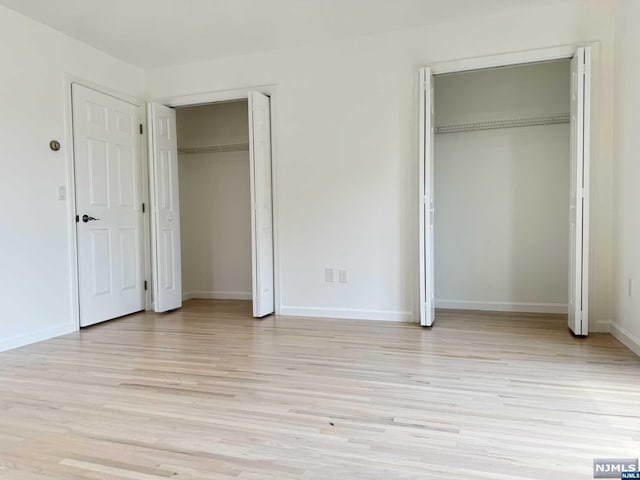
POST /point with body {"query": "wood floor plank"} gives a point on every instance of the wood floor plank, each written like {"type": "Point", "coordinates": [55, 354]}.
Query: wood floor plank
{"type": "Point", "coordinates": [207, 392]}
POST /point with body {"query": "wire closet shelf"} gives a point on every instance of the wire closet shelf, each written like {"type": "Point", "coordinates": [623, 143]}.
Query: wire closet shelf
{"type": "Point", "coordinates": [227, 147]}
{"type": "Point", "coordinates": [554, 119]}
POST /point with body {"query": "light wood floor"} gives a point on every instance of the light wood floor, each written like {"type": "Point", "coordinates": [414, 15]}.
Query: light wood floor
{"type": "Point", "coordinates": [207, 392]}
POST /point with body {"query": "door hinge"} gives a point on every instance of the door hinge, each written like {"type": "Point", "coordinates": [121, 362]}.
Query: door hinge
{"type": "Point", "coordinates": [145, 285]}
{"type": "Point", "coordinates": [77, 218]}
{"type": "Point", "coordinates": [143, 207]}
{"type": "Point", "coordinates": [140, 129]}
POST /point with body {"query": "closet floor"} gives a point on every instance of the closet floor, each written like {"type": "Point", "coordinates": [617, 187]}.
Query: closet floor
{"type": "Point", "coordinates": [207, 392]}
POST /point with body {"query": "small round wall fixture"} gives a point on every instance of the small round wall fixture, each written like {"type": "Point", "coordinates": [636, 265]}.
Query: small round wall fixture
{"type": "Point", "coordinates": [54, 145]}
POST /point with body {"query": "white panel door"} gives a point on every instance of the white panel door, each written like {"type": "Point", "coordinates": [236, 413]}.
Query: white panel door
{"type": "Point", "coordinates": [579, 189]}
{"type": "Point", "coordinates": [165, 228]}
{"type": "Point", "coordinates": [261, 204]}
{"type": "Point", "coordinates": [108, 205]}
{"type": "Point", "coordinates": [426, 207]}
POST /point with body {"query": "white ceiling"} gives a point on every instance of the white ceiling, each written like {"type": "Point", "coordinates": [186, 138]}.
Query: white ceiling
{"type": "Point", "coordinates": [151, 33]}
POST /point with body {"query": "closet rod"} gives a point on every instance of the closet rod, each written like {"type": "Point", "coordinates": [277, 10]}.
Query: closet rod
{"type": "Point", "coordinates": [554, 119]}
{"type": "Point", "coordinates": [228, 147]}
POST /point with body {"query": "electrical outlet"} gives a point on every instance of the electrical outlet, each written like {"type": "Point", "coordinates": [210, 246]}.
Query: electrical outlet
{"type": "Point", "coordinates": [342, 275]}
{"type": "Point", "coordinates": [630, 287]}
{"type": "Point", "coordinates": [62, 192]}
{"type": "Point", "coordinates": [328, 275]}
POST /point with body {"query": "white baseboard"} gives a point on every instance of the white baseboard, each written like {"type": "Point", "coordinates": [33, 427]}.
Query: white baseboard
{"type": "Point", "coordinates": [37, 336]}
{"type": "Point", "coordinates": [217, 295]}
{"type": "Point", "coordinates": [626, 338]}
{"type": "Point", "coordinates": [347, 313]}
{"type": "Point", "coordinates": [502, 306]}
{"type": "Point", "coordinates": [600, 326]}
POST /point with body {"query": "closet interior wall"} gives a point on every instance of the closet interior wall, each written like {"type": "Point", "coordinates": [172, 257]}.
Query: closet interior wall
{"type": "Point", "coordinates": [215, 199]}
{"type": "Point", "coordinates": [502, 195]}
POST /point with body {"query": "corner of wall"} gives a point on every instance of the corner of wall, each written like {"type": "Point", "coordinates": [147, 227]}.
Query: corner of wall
{"type": "Point", "coordinates": [625, 337]}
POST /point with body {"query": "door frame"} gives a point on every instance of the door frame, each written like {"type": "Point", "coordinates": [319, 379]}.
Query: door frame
{"type": "Point", "coordinates": [562, 52]}
{"type": "Point", "coordinates": [217, 96]}
{"type": "Point", "coordinates": [69, 81]}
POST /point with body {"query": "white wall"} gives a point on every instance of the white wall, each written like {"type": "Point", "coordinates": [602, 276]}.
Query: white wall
{"type": "Point", "coordinates": [626, 320]}
{"type": "Point", "coordinates": [35, 274]}
{"type": "Point", "coordinates": [502, 93]}
{"type": "Point", "coordinates": [214, 124]}
{"type": "Point", "coordinates": [502, 196]}
{"type": "Point", "coordinates": [346, 155]}
{"type": "Point", "coordinates": [215, 203]}
{"type": "Point", "coordinates": [346, 150]}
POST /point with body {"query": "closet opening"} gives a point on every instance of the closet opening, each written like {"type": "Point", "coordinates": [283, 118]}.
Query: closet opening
{"type": "Point", "coordinates": [501, 187]}
{"type": "Point", "coordinates": [212, 209]}
{"type": "Point", "coordinates": [505, 197]}
{"type": "Point", "coordinates": [215, 201]}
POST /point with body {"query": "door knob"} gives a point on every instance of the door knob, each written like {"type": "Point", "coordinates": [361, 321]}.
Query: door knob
{"type": "Point", "coordinates": [86, 218]}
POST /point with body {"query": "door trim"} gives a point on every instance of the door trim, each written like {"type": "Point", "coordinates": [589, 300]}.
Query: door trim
{"type": "Point", "coordinates": [242, 93]}
{"type": "Point", "coordinates": [70, 161]}
{"type": "Point", "coordinates": [562, 52]}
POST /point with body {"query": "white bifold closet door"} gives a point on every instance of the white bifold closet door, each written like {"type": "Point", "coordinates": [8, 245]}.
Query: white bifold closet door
{"type": "Point", "coordinates": [261, 204]}
{"type": "Point", "coordinates": [107, 144]}
{"type": "Point", "coordinates": [167, 282]}
{"type": "Point", "coordinates": [579, 192]}
{"type": "Point", "coordinates": [165, 203]}
{"type": "Point", "coordinates": [426, 207]}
